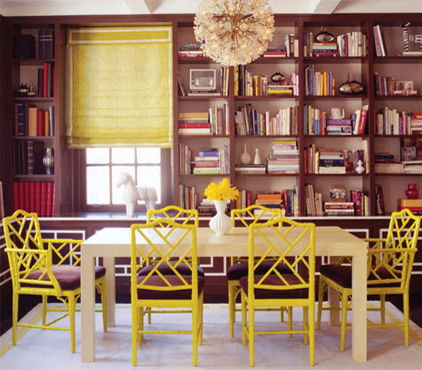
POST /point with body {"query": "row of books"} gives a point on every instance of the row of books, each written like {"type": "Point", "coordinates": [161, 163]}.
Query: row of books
{"type": "Point", "coordinates": [319, 83]}
{"type": "Point", "coordinates": [45, 81]}
{"type": "Point", "coordinates": [317, 122]}
{"type": "Point", "coordinates": [290, 48]}
{"type": "Point", "coordinates": [248, 121]}
{"type": "Point", "coordinates": [249, 84]}
{"type": "Point", "coordinates": [331, 161]}
{"type": "Point", "coordinates": [188, 197]}
{"type": "Point", "coordinates": [213, 122]}
{"type": "Point", "coordinates": [390, 121]}
{"type": "Point", "coordinates": [28, 157]}
{"type": "Point", "coordinates": [350, 44]}
{"type": "Point", "coordinates": [45, 43]}
{"type": "Point", "coordinates": [284, 158]}
{"type": "Point", "coordinates": [34, 196]}
{"type": "Point", "coordinates": [386, 86]}
{"type": "Point", "coordinates": [33, 121]}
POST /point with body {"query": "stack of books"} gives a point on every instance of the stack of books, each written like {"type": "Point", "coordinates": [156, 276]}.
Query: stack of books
{"type": "Point", "coordinates": [339, 126]}
{"type": "Point", "coordinates": [416, 124]}
{"type": "Point", "coordinates": [207, 162]}
{"type": "Point", "coordinates": [339, 209]}
{"type": "Point", "coordinates": [275, 52]}
{"type": "Point", "coordinates": [331, 161]}
{"type": "Point", "coordinates": [280, 89]}
{"type": "Point", "coordinates": [269, 199]}
{"type": "Point", "coordinates": [192, 50]}
{"type": "Point", "coordinates": [250, 169]}
{"type": "Point", "coordinates": [206, 208]}
{"type": "Point", "coordinates": [413, 205]}
{"type": "Point", "coordinates": [285, 158]}
{"type": "Point", "coordinates": [326, 49]}
{"type": "Point", "coordinates": [414, 166]}
{"type": "Point", "coordinates": [384, 163]}
{"type": "Point", "coordinates": [194, 123]}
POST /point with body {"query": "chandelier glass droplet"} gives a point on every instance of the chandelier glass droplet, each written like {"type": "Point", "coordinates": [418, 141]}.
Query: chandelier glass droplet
{"type": "Point", "coordinates": [234, 32]}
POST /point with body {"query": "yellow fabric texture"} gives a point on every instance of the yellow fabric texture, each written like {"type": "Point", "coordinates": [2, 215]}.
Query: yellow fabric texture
{"type": "Point", "coordinates": [119, 85]}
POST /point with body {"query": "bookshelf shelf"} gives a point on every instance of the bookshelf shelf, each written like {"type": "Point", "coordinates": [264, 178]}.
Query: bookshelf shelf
{"type": "Point", "coordinates": [34, 138]}
{"type": "Point", "coordinates": [204, 97]}
{"type": "Point", "coordinates": [193, 136]}
{"type": "Point", "coordinates": [34, 177]}
{"type": "Point", "coordinates": [335, 60]}
{"type": "Point", "coordinates": [335, 97]}
{"type": "Point", "coordinates": [275, 60]}
{"type": "Point", "coordinates": [35, 99]}
{"type": "Point", "coordinates": [399, 97]}
{"type": "Point", "coordinates": [398, 59]}
{"type": "Point", "coordinates": [266, 97]}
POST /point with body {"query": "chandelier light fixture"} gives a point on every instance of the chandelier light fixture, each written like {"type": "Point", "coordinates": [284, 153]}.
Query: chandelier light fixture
{"type": "Point", "coordinates": [234, 32]}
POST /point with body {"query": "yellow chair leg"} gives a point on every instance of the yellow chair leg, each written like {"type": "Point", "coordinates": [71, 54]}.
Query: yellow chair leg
{"type": "Point", "coordinates": [311, 328]}
{"type": "Point", "coordinates": [382, 303]}
{"type": "Point", "coordinates": [44, 310]}
{"type": "Point", "coordinates": [148, 309]}
{"type": "Point", "coordinates": [135, 321]}
{"type": "Point", "coordinates": [305, 325]}
{"type": "Point", "coordinates": [140, 336]}
{"type": "Point", "coordinates": [104, 305]}
{"type": "Point", "coordinates": [72, 303]}
{"type": "Point", "coordinates": [290, 320]}
{"type": "Point", "coordinates": [406, 318]}
{"type": "Point", "coordinates": [244, 318]}
{"type": "Point", "coordinates": [232, 306]}
{"type": "Point", "coordinates": [251, 330]}
{"type": "Point", "coordinates": [321, 287]}
{"type": "Point", "coordinates": [201, 319]}
{"type": "Point", "coordinates": [15, 310]}
{"type": "Point", "coordinates": [282, 314]}
{"type": "Point", "coordinates": [343, 321]}
{"type": "Point", "coordinates": [195, 334]}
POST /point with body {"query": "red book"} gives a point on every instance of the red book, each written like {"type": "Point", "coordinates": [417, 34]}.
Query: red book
{"type": "Point", "coordinates": [38, 197]}
{"type": "Point", "coordinates": [32, 196]}
{"type": "Point", "coordinates": [43, 199]}
{"type": "Point", "coordinates": [15, 196]}
{"type": "Point", "coordinates": [53, 204]}
{"type": "Point", "coordinates": [40, 123]}
{"type": "Point", "coordinates": [286, 202]}
{"type": "Point", "coordinates": [362, 122]}
{"type": "Point", "coordinates": [20, 195]}
{"type": "Point", "coordinates": [26, 196]}
{"type": "Point", "coordinates": [248, 198]}
{"type": "Point", "coordinates": [45, 80]}
{"type": "Point", "coordinates": [49, 205]}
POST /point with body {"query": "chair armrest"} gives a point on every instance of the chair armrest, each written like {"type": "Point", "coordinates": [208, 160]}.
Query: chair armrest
{"type": "Point", "coordinates": [67, 250]}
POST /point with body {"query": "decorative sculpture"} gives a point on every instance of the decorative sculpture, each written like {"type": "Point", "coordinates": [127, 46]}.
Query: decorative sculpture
{"type": "Point", "coordinates": [133, 193]}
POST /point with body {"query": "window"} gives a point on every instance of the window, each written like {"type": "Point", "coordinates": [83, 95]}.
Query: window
{"type": "Point", "coordinates": [104, 166]}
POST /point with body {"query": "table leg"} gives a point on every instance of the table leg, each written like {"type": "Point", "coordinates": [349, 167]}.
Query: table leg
{"type": "Point", "coordinates": [359, 302]}
{"type": "Point", "coordinates": [109, 264]}
{"type": "Point", "coordinates": [334, 302]}
{"type": "Point", "coordinates": [87, 308]}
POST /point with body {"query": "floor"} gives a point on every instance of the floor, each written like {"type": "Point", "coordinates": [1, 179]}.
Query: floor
{"type": "Point", "coordinates": [386, 349]}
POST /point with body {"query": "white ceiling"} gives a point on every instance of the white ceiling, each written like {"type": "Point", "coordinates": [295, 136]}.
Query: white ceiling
{"type": "Point", "coordinates": [90, 7]}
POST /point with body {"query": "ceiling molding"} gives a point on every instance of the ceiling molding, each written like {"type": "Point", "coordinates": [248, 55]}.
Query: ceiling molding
{"type": "Point", "coordinates": [324, 6]}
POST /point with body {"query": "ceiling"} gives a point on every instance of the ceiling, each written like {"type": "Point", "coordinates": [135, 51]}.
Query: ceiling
{"type": "Point", "coordinates": [89, 7]}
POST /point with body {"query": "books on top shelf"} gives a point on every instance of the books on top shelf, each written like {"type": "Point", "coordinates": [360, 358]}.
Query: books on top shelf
{"type": "Point", "coordinates": [284, 159]}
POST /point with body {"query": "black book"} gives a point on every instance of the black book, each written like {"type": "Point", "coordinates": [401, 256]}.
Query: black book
{"type": "Point", "coordinates": [49, 43]}
{"type": "Point", "coordinates": [41, 43]}
{"type": "Point", "coordinates": [40, 82]}
{"type": "Point", "coordinates": [38, 153]}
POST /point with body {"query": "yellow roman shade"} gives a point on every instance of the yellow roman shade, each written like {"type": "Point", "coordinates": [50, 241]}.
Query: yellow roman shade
{"type": "Point", "coordinates": [119, 87]}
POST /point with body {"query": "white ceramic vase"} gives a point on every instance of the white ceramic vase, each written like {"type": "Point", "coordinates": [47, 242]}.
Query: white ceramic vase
{"type": "Point", "coordinates": [220, 223]}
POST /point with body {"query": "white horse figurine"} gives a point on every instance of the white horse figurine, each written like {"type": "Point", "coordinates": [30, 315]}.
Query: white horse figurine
{"type": "Point", "coordinates": [132, 193]}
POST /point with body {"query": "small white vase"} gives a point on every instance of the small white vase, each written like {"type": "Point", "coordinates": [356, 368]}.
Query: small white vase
{"type": "Point", "coordinates": [245, 157]}
{"type": "Point", "coordinates": [257, 159]}
{"type": "Point", "coordinates": [220, 223]}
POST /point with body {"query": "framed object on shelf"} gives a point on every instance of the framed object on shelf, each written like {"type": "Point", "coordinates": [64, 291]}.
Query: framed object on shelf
{"type": "Point", "coordinates": [337, 193]}
{"type": "Point", "coordinates": [202, 80]}
{"type": "Point", "coordinates": [405, 85]}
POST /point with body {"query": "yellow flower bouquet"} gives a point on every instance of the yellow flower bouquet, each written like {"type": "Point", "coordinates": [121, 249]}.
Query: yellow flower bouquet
{"type": "Point", "coordinates": [221, 191]}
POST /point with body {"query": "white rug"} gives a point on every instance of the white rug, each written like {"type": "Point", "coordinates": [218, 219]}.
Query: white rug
{"type": "Point", "coordinates": [38, 349]}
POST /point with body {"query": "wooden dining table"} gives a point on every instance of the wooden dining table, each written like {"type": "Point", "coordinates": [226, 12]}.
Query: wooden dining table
{"type": "Point", "coordinates": [111, 242]}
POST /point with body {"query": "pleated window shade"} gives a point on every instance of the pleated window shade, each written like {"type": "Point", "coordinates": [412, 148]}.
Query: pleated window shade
{"type": "Point", "coordinates": [120, 87]}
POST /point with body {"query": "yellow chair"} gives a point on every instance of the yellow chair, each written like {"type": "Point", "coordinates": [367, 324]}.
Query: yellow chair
{"type": "Point", "coordinates": [239, 265]}
{"type": "Point", "coordinates": [47, 268]}
{"type": "Point", "coordinates": [275, 289]}
{"type": "Point", "coordinates": [180, 215]}
{"type": "Point", "coordinates": [390, 262]}
{"type": "Point", "coordinates": [166, 240]}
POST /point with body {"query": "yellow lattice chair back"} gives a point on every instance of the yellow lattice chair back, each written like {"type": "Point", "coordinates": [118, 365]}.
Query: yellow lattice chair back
{"type": "Point", "coordinates": [171, 289]}
{"type": "Point", "coordinates": [175, 213]}
{"type": "Point", "coordinates": [293, 246]}
{"type": "Point", "coordinates": [390, 260]}
{"type": "Point", "coordinates": [45, 267]}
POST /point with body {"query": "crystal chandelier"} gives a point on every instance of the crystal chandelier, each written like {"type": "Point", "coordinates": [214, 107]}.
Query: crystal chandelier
{"type": "Point", "coordinates": [234, 32]}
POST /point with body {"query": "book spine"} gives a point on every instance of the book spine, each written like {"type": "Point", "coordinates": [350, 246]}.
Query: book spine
{"type": "Point", "coordinates": [43, 201]}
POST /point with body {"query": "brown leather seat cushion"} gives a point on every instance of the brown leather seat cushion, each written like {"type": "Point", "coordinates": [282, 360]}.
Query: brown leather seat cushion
{"type": "Point", "coordinates": [69, 277]}
{"type": "Point", "coordinates": [273, 293]}
{"type": "Point", "coordinates": [156, 280]}
{"type": "Point", "coordinates": [342, 275]}
{"type": "Point", "coordinates": [238, 270]}
{"type": "Point", "coordinates": [165, 269]}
